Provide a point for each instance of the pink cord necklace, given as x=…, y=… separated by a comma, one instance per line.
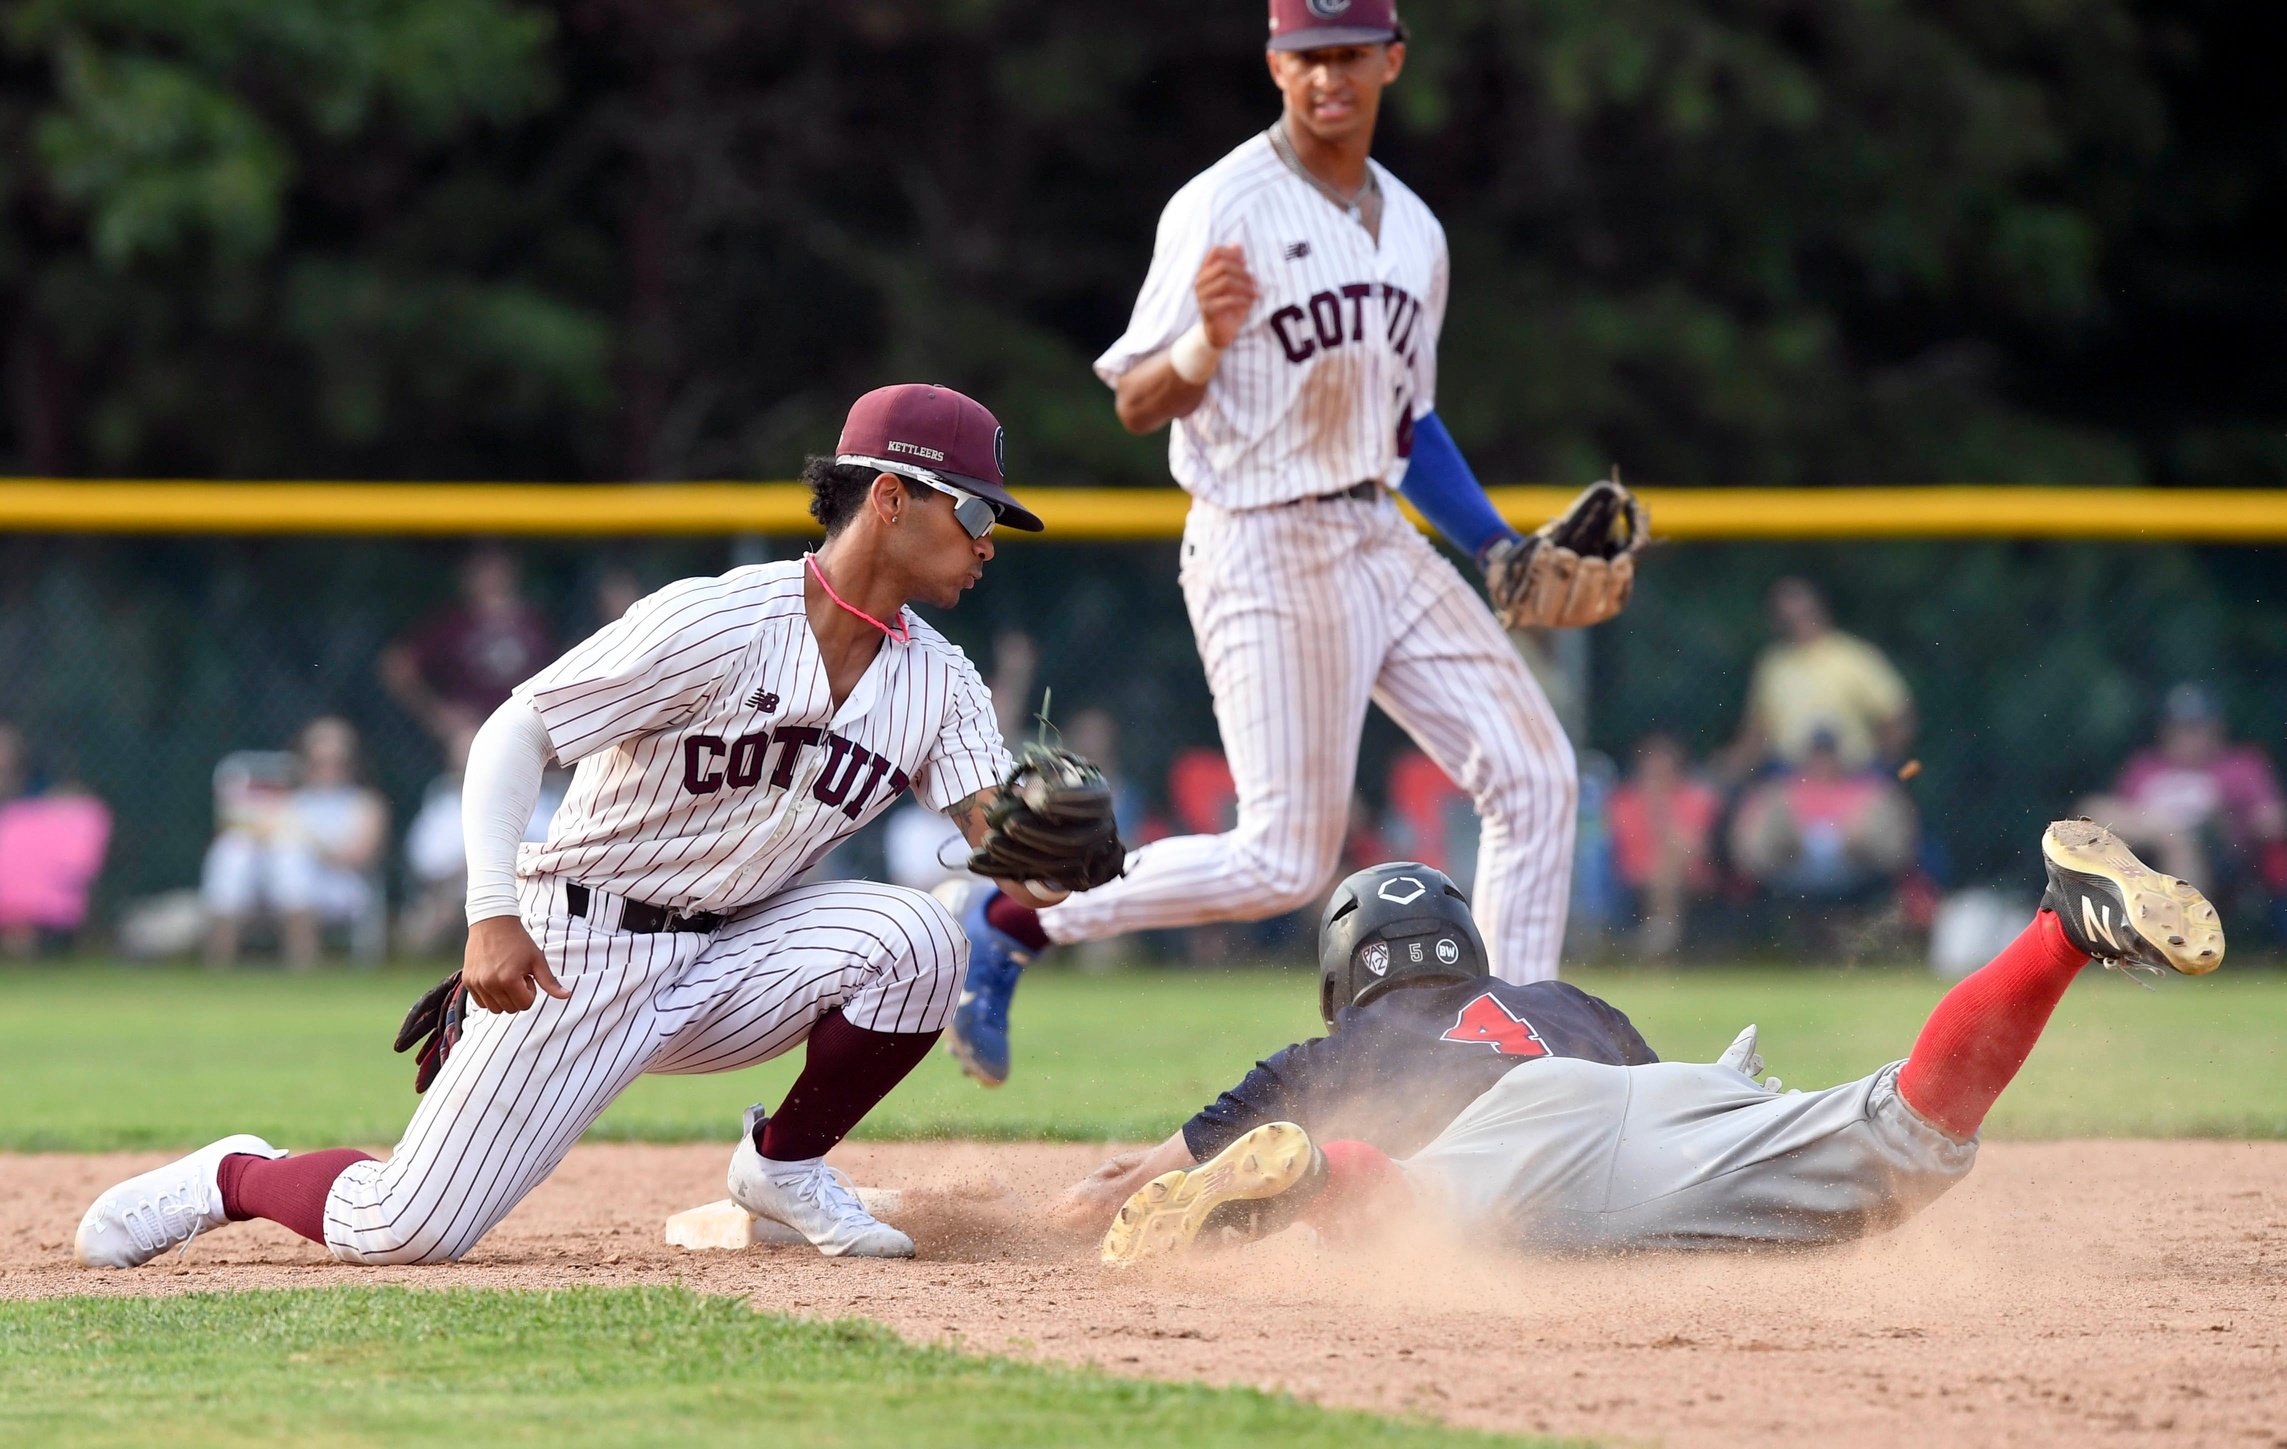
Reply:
x=900, y=632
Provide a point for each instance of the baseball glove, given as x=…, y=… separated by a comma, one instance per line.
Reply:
x=1574, y=570
x=434, y=1022
x=1052, y=822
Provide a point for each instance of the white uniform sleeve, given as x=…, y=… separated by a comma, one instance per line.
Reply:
x=968, y=755
x=649, y=670
x=1166, y=305
x=498, y=790
x=1432, y=327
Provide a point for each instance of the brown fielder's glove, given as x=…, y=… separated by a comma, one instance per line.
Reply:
x=1052, y=822
x=434, y=1022
x=1574, y=570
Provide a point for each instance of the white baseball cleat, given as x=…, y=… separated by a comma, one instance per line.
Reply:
x=816, y=1201
x=163, y=1208
x=1743, y=1055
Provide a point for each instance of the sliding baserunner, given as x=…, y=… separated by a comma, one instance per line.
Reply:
x=1444, y=1096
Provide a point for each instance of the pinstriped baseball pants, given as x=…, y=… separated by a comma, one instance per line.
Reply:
x=1303, y=614
x=521, y=1087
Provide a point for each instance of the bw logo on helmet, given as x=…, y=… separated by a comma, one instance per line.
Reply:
x=1399, y=924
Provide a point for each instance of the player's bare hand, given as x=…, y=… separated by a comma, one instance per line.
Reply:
x=1084, y=1207
x=504, y=970
x=1227, y=293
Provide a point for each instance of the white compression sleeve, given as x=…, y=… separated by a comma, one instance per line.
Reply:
x=498, y=791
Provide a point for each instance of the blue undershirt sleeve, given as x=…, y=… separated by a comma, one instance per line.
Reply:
x=1439, y=483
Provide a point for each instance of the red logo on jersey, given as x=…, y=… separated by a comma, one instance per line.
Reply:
x=1487, y=1020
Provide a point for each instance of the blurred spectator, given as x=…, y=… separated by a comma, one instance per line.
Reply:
x=2198, y=806
x=1095, y=733
x=1201, y=793
x=298, y=837
x=459, y=663
x=1016, y=659
x=435, y=918
x=1363, y=845
x=1431, y=820
x=51, y=850
x=616, y=593
x=15, y=764
x=1816, y=679
x=1824, y=831
x=1663, y=824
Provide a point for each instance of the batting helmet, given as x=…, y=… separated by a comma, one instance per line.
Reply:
x=1393, y=925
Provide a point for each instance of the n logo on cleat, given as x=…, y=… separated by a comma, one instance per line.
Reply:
x=2097, y=921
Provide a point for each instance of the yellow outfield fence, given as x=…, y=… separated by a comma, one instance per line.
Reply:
x=47, y=505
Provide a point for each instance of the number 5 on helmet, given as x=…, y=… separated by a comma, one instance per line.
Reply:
x=1576, y=569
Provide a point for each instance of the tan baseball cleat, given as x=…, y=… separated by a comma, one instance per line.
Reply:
x=2121, y=911
x=1165, y=1215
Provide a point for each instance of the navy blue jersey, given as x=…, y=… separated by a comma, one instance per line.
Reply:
x=1401, y=1067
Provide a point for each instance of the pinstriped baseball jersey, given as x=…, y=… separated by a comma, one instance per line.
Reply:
x=1339, y=354
x=713, y=766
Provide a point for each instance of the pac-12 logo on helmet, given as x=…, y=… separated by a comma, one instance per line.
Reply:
x=1327, y=9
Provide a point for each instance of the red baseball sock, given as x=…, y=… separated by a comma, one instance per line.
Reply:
x=1015, y=918
x=846, y=1071
x=1360, y=1182
x=1983, y=1030
x=289, y=1191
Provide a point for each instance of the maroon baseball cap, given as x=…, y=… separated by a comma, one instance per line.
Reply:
x=1315, y=24
x=919, y=430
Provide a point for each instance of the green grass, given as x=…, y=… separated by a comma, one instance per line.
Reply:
x=588, y=1365
x=102, y=1057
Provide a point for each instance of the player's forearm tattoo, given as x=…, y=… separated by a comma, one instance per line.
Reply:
x=969, y=814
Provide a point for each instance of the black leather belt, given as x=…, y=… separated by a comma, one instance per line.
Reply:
x=642, y=918
x=1364, y=491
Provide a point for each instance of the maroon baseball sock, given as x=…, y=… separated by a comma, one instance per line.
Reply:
x=289, y=1191
x=1015, y=918
x=1985, y=1027
x=846, y=1071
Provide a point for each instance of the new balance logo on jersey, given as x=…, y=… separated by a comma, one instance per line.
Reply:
x=1337, y=318
x=763, y=700
x=1296, y=251
x=848, y=779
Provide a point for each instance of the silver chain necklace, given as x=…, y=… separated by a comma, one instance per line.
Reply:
x=1368, y=195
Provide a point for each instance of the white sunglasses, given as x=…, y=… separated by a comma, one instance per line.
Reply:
x=975, y=515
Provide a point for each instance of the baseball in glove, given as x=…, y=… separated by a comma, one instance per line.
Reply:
x=1052, y=822
x=1574, y=570
x=435, y=1023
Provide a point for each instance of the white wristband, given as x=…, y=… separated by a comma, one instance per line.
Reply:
x=1193, y=357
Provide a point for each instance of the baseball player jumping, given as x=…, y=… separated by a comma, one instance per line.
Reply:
x=1288, y=330
x=727, y=732
x=1535, y=1117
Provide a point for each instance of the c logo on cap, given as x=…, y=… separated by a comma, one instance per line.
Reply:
x=1327, y=9
x=1001, y=435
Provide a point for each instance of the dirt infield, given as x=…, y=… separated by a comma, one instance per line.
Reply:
x=2110, y=1292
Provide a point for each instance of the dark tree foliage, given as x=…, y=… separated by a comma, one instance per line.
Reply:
x=1742, y=241
x=1719, y=241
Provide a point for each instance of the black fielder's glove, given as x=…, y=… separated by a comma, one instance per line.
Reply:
x=1052, y=822
x=434, y=1022
x=1574, y=570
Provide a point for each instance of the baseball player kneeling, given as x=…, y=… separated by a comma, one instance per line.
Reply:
x=727, y=733
x=1535, y=1117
